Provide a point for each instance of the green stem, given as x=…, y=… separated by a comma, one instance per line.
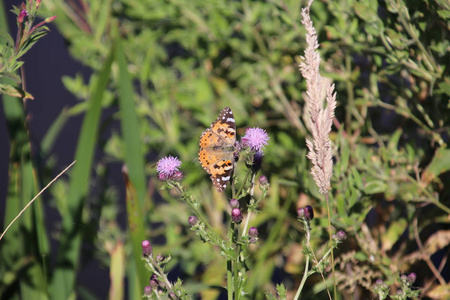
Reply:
x=350, y=96
x=305, y=274
x=408, y=27
x=302, y=283
x=252, y=200
x=331, y=245
x=230, y=278
x=236, y=264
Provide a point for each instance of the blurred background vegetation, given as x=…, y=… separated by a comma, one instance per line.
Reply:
x=161, y=72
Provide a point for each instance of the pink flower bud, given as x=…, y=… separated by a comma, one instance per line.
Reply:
x=234, y=203
x=49, y=19
x=236, y=215
x=146, y=248
x=23, y=14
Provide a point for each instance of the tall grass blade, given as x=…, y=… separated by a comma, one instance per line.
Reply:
x=134, y=160
x=72, y=233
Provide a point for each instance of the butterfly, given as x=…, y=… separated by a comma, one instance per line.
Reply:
x=217, y=147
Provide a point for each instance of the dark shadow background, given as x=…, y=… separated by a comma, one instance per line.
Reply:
x=45, y=64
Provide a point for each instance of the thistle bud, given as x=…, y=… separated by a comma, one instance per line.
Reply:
x=253, y=234
x=154, y=283
x=146, y=248
x=411, y=278
x=148, y=290
x=309, y=213
x=178, y=176
x=263, y=180
x=340, y=236
x=193, y=220
x=301, y=212
x=234, y=203
x=236, y=215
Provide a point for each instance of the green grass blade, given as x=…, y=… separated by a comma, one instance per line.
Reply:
x=26, y=243
x=67, y=260
x=134, y=159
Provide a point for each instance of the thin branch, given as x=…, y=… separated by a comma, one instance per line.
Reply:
x=35, y=197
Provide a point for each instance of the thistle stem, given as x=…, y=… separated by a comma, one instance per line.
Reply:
x=331, y=245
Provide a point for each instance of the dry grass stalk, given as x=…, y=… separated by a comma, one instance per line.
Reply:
x=321, y=118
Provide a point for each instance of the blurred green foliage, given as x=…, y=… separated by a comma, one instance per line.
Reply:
x=183, y=61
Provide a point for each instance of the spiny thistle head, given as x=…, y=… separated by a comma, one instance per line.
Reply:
x=167, y=168
x=255, y=139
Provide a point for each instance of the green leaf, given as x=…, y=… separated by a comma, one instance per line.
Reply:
x=14, y=91
x=71, y=237
x=375, y=187
x=394, y=232
x=438, y=165
x=134, y=160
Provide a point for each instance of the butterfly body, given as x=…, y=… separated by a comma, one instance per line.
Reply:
x=217, y=145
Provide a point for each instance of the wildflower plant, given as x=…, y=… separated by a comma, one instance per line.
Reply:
x=320, y=118
x=405, y=291
x=160, y=67
x=235, y=245
x=12, y=51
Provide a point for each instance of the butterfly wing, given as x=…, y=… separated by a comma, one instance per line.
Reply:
x=216, y=153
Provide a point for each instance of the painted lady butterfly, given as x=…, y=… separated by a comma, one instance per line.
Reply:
x=217, y=146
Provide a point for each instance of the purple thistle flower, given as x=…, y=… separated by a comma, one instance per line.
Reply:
x=154, y=281
x=301, y=212
x=236, y=215
x=255, y=138
x=178, y=176
x=234, y=203
x=411, y=278
x=146, y=248
x=309, y=212
x=148, y=290
x=168, y=166
x=162, y=177
x=340, y=236
x=253, y=234
x=193, y=220
x=263, y=180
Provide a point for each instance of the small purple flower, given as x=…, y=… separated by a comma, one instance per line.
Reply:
x=381, y=288
x=309, y=213
x=234, y=203
x=178, y=176
x=255, y=138
x=340, y=236
x=146, y=248
x=253, y=232
x=167, y=167
x=148, y=290
x=301, y=212
x=163, y=177
x=236, y=215
x=411, y=278
x=154, y=283
x=193, y=220
x=263, y=180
